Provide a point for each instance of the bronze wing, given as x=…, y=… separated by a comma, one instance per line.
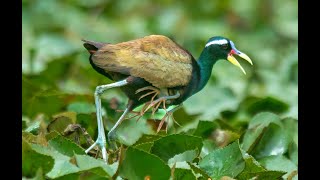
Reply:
x=155, y=58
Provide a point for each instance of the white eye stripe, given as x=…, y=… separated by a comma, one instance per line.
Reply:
x=219, y=42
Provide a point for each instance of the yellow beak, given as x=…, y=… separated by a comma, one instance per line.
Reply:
x=235, y=62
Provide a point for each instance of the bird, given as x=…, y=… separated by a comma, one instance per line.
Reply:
x=155, y=71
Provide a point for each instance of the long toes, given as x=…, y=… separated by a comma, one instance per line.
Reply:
x=149, y=93
x=143, y=89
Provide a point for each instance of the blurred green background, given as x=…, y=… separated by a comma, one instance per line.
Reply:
x=57, y=76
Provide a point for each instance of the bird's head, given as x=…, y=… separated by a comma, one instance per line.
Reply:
x=224, y=48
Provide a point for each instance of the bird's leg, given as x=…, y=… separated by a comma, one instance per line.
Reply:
x=167, y=116
x=112, y=132
x=101, y=139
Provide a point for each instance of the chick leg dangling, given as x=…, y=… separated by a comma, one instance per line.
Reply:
x=101, y=139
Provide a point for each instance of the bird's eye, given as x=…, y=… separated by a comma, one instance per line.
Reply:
x=224, y=46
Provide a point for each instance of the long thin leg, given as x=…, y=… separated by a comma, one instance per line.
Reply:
x=111, y=134
x=101, y=140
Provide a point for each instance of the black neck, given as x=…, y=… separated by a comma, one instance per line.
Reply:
x=205, y=63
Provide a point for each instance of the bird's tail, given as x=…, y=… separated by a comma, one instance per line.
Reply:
x=92, y=46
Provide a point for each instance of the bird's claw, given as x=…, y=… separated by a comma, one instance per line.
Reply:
x=154, y=91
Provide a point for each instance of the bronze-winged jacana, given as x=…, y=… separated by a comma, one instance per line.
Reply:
x=155, y=71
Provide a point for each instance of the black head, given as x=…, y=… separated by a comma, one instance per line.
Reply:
x=223, y=48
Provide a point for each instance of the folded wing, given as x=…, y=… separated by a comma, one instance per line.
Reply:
x=155, y=58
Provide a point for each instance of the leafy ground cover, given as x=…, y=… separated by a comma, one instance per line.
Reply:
x=237, y=127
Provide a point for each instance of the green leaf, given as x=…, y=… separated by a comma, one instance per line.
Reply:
x=257, y=126
x=208, y=146
x=254, y=170
x=65, y=146
x=146, y=142
x=34, y=127
x=183, y=174
x=61, y=167
x=35, y=139
x=183, y=118
x=279, y=163
x=88, y=121
x=35, y=104
x=61, y=121
x=187, y=156
x=144, y=146
x=171, y=145
x=201, y=175
x=204, y=128
x=268, y=104
x=131, y=131
x=262, y=175
x=293, y=153
x=266, y=136
x=33, y=160
x=82, y=107
x=223, y=98
x=29, y=137
x=291, y=126
x=222, y=138
x=227, y=161
x=148, y=138
x=145, y=165
x=274, y=141
x=49, y=47
x=52, y=135
x=96, y=166
x=65, y=167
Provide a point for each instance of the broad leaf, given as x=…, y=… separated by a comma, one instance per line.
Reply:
x=253, y=170
x=65, y=146
x=33, y=160
x=145, y=165
x=183, y=174
x=204, y=128
x=227, y=161
x=171, y=145
x=279, y=163
x=257, y=127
